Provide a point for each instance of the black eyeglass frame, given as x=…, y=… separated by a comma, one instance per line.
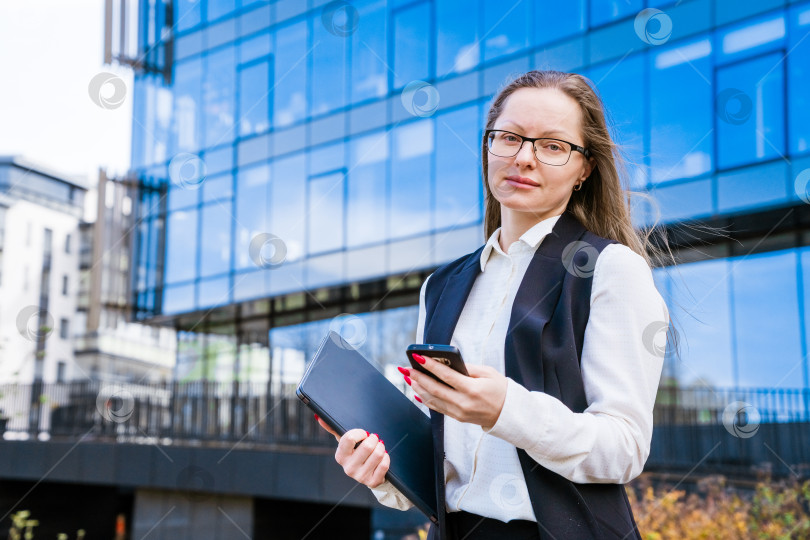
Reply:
x=581, y=149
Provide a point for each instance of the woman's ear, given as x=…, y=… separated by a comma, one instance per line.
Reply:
x=587, y=169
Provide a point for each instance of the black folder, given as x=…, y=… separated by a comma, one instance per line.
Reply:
x=347, y=392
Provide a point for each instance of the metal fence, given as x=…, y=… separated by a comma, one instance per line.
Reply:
x=171, y=413
x=727, y=430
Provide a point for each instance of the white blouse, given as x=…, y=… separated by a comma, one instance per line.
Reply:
x=607, y=443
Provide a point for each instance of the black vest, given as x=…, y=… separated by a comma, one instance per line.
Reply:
x=542, y=352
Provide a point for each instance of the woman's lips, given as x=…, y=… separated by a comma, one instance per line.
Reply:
x=521, y=182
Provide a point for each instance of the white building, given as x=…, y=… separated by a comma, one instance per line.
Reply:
x=40, y=212
x=64, y=292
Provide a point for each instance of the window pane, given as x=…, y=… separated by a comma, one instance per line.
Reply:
x=187, y=13
x=457, y=46
x=152, y=131
x=325, y=213
x=255, y=47
x=187, y=106
x=215, y=245
x=557, y=20
x=410, y=180
x=178, y=299
x=681, y=111
x=329, y=65
x=369, y=51
x=288, y=204
x=182, y=197
x=251, y=211
x=750, y=112
x=622, y=101
x=289, y=96
x=750, y=38
x=366, y=189
x=767, y=321
x=699, y=306
x=181, y=246
x=219, y=94
x=219, y=8
x=254, y=99
x=506, y=28
x=218, y=188
x=411, y=44
x=605, y=11
x=458, y=183
x=799, y=80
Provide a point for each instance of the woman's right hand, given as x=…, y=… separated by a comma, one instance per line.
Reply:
x=367, y=463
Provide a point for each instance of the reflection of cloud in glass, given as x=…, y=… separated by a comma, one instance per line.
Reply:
x=754, y=35
x=414, y=139
x=766, y=316
x=683, y=54
x=699, y=305
x=370, y=149
x=467, y=58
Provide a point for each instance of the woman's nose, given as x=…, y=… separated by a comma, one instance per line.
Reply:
x=525, y=155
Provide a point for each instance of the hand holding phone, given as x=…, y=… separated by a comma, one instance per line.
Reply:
x=446, y=354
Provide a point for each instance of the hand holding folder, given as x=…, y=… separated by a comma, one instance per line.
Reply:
x=347, y=392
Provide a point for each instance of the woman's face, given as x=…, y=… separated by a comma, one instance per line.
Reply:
x=522, y=183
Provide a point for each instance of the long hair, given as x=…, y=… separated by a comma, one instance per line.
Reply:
x=602, y=204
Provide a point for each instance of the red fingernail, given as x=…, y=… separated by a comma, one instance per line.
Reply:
x=403, y=371
x=408, y=380
x=417, y=398
x=316, y=417
x=419, y=358
x=366, y=433
x=382, y=442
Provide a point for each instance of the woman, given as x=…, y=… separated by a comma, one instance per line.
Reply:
x=560, y=324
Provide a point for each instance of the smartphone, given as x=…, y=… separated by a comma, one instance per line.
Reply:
x=446, y=354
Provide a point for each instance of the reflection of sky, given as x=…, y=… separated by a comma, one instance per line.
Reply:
x=739, y=321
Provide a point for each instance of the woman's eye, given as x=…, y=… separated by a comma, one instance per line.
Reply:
x=553, y=147
x=510, y=138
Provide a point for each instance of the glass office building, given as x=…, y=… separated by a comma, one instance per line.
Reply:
x=307, y=164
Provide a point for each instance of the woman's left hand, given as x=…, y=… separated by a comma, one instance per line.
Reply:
x=477, y=399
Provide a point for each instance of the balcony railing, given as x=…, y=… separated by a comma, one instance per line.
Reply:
x=172, y=413
x=736, y=431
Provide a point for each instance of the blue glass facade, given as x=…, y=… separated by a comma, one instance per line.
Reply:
x=302, y=121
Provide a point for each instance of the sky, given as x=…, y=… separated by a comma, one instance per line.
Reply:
x=50, y=50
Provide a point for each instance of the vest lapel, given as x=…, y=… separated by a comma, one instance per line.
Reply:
x=535, y=302
x=441, y=321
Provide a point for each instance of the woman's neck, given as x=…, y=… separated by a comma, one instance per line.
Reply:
x=514, y=224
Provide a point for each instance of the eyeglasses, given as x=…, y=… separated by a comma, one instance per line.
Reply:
x=549, y=151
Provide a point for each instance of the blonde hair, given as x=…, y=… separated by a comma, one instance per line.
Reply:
x=602, y=204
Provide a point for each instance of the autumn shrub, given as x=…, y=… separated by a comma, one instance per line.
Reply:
x=769, y=510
